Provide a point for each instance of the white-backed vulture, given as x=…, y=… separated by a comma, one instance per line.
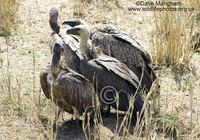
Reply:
x=104, y=71
x=123, y=47
x=71, y=92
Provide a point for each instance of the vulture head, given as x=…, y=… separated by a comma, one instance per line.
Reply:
x=82, y=31
x=80, y=28
x=58, y=48
x=53, y=13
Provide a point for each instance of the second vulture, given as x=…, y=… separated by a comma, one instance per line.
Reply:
x=123, y=47
x=70, y=91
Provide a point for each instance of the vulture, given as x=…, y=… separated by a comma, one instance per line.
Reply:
x=123, y=47
x=107, y=72
x=71, y=92
x=102, y=70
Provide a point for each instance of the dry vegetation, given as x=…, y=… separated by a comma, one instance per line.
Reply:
x=24, y=52
x=171, y=41
x=8, y=15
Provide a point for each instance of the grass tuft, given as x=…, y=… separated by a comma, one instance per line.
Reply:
x=171, y=43
x=8, y=15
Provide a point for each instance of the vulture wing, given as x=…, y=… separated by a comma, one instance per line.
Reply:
x=112, y=64
x=78, y=90
x=44, y=83
x=105, y=34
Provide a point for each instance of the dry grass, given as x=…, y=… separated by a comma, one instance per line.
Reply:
x=24, y=109
x=8, y=15
x=171, y=44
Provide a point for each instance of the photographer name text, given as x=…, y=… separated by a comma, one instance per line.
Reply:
x=158, y=3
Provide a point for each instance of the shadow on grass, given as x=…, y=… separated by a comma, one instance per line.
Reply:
x=67, y=130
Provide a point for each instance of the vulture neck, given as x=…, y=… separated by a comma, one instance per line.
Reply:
x=55, y=69
x=84, y=46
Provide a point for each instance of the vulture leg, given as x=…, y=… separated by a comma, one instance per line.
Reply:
x=57, y=111
x=46, y=89
x=77, y=125
x=76, y=115
x=105, y=109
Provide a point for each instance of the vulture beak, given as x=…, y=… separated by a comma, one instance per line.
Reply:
x=62, y=48
x=72, y=23
x=73, y=31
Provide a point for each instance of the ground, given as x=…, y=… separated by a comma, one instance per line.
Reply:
x=24, y=110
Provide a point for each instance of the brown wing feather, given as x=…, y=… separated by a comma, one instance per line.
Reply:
x=126, y=49
x=44, y=84
x=107, y=32
x=118, y=68
x=74, y=89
